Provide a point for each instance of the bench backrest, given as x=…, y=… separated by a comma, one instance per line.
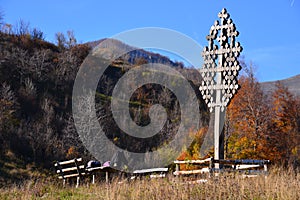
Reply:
x=70, y=168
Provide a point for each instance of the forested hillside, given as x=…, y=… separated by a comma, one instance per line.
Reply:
x=36, y=86
x=37, y=77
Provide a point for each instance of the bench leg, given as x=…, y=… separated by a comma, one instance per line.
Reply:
x=106, y=177
x=93, y=179
x=177, y=167
x=265, y=170
x=77, y=182
x=64, y=182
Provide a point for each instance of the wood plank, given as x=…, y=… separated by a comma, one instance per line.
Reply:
x=249, y=176
x=94, y=168
x=246, y=166
x=246, y=161
x=103, y=169
x=157, y=176
x=70, y=175
x=68, y=162
x=151, y=170
x=192, y=161
x=69, y=169
x=187, y=172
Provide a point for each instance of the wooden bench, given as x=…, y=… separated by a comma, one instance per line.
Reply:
x=105, y=169
x=248, y=167
x=70, y=169
x=206, y=166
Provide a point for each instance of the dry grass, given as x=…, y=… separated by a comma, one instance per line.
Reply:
x=280, y=184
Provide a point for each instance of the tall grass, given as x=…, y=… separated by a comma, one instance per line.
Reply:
x=279, y=184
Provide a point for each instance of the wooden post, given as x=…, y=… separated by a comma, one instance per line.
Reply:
x=106, y=176
x=218, y=116
x=211, y=166
x=77, y=181
x=216, y=136
x=93, y=179
x=177, y=167
x=265, y=169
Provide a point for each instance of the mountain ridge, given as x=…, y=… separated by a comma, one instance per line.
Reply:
x=134, y=54
x=292, y=83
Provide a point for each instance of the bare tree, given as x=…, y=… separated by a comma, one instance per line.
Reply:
x=71, y=39
x=1, y=18
x=60, y=40
x=71, y=140
x=41, y=133
x=8, y=103
x=39, y=64
x=37, y=34
x=8, y=106
x=67, y=67
x=22, y=28
x=29, y=88
x=6, y=28
x=64, y=42
x=165, y=96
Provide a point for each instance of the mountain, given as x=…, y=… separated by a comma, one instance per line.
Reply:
x=134, y=55
x=292, y=83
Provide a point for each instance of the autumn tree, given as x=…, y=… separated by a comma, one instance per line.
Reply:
x=193, y=151
x=284, y=139
x=247, y=120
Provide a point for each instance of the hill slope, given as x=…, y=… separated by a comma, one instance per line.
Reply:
x=292, y=83
x=36, y=123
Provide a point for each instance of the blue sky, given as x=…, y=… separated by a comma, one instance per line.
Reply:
x=269, y=30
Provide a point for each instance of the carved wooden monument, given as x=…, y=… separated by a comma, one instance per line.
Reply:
x=220, y=71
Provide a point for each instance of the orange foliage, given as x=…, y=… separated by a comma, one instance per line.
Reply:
x=72, y=153
x=193, y=152
x=263, y=127
x=248, y=118
x=285, y=125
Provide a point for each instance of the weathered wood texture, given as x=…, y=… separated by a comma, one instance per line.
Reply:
x=70, y=168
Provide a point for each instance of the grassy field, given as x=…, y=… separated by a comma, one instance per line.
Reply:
x=280, y=184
